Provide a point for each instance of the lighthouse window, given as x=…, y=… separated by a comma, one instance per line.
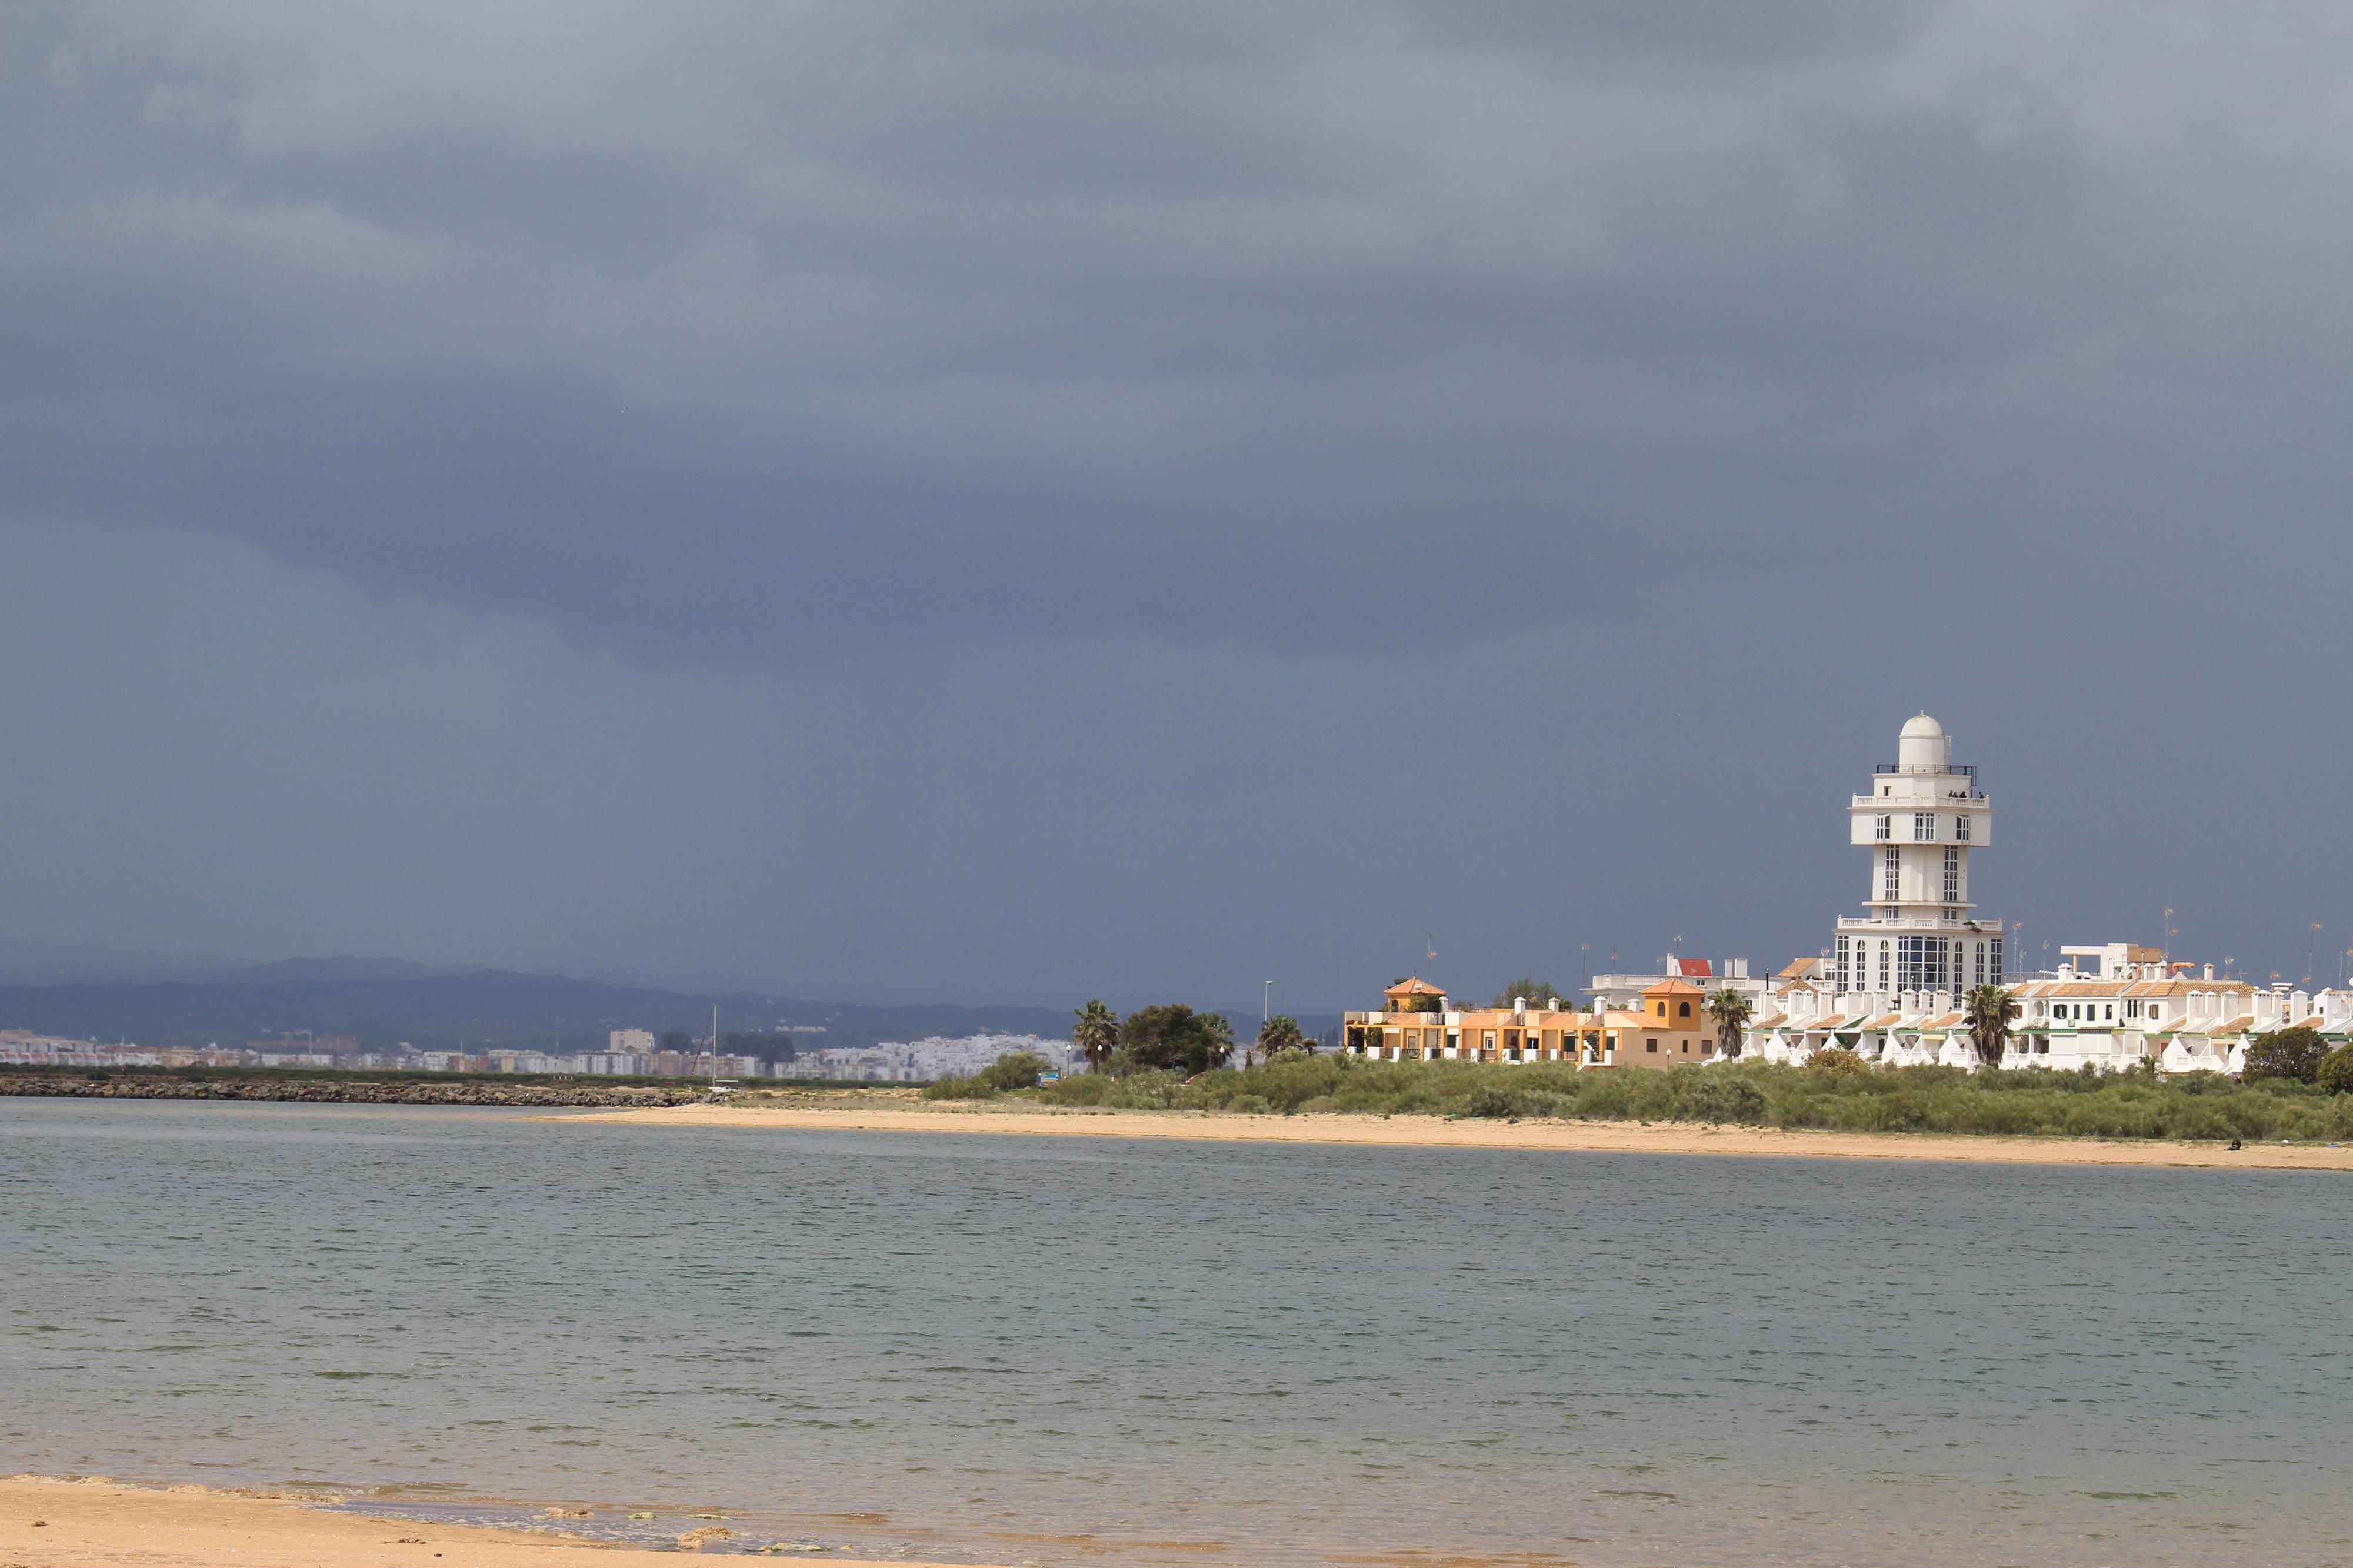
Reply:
x=1843, y=945
x=1891, y=865
x=1923, y=967
x=1952, y=875
x=1883, y=954
x=1978, y=972
x=1961, y=828
x=1883, y=827
x=1924, y=826
x=1994, y=977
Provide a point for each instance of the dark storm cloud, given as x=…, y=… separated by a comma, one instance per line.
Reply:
x=867, y=322
x=1147, y=467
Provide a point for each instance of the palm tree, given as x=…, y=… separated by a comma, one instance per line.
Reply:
x=1731, y=1012
x=1989, y=1009
x=1280, y=1033
x=1219, y=1035
x=1096, y=1034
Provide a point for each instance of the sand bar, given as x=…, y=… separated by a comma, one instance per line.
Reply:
x=849, y=1113
x=103, y=1522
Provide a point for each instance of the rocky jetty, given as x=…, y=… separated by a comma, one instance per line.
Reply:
x=337, y=1091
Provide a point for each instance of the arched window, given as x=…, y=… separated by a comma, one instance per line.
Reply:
x=1683, y=1009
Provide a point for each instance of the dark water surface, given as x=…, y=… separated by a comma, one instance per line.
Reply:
x=1068, y=1350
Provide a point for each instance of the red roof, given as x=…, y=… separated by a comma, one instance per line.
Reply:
x=1695, y=968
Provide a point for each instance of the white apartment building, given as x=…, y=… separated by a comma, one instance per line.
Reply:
x=629, y=1043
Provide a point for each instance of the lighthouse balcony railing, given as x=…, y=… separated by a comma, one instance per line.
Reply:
x=1914, y=802
x=1965, y=770
x=1916, y=922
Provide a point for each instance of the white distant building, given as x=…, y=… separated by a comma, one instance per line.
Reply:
x=921, y=1061
x=1625, y=988
x=1921, y=820
x=630, y=1043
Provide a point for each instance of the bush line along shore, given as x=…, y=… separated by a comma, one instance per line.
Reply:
x=1837, y=1094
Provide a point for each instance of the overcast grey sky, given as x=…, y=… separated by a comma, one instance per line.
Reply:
x=1022, y=502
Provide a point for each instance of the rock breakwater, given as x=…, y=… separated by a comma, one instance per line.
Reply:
x=331, y=1092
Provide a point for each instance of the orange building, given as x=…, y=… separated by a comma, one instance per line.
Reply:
x=1415, y=1024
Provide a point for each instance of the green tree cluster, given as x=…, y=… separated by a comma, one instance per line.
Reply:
x=2294, y=1054
x=1174, y=1038
x=1280, y=1034
x=1096, y=1034
x=1989, y=1009
x=1731, y=1012
x=1014, y=1070
x=1538, y=992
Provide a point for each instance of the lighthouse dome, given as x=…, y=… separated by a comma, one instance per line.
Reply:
x=1924, y=745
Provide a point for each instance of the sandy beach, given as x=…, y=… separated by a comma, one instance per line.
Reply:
x=853, y=1113
x=57, y=1525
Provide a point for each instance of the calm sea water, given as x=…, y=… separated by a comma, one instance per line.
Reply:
x=1071, y=1350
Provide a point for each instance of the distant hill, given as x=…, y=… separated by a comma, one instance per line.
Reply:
x=385, y=1001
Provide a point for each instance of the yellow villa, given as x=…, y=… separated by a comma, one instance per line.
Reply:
x=1670, y=1029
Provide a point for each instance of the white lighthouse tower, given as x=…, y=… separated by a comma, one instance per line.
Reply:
x=1922, y=817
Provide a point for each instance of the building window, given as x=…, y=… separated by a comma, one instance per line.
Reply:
x=1843, y=944
x=1924, y=826
x=1883, y=827
x=1994, y=967
x=1891, y=870
x=1960, y=830
x=1921, y=965
x=1683, y=1009
x=1651, y=1045
x=1977, y=975
x=1487, y=1039
x=1884, y=950
x=1952, y=875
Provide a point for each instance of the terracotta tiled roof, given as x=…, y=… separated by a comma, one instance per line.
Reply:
x=1673, y=988
x=1416, y=986
x=1800, y=968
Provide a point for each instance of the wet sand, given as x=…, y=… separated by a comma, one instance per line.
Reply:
x=849, y=1113
x=103, y=1522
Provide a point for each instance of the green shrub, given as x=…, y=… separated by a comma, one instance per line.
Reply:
x=2293, y=1054
x=2018, y=1101
x=1014, y=1070
x=2335, y=1074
